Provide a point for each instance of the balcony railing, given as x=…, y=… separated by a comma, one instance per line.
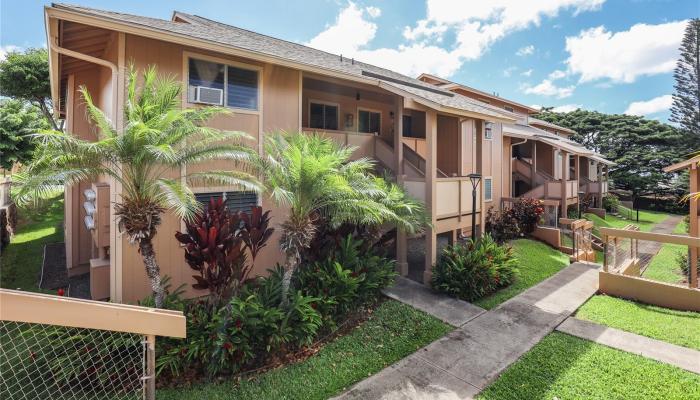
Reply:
x=454, y=197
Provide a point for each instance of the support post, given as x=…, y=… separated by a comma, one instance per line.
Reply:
x=150, y=386
x=564, y=181
x=533, y=166
x=694, y=226
x=401, y=239
x=430, y=193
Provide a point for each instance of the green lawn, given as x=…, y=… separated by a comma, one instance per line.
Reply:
x=394, y=331
x=20, y=264
x=536, y=262
x=564, y=367
x=678, y=327
x=647, y=219
x=664, y=266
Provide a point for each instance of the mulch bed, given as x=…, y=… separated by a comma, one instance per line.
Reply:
x=53, y=271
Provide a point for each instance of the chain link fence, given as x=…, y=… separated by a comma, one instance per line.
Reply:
x=54, y=362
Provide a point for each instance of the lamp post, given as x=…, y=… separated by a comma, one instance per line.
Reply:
x=475, y=179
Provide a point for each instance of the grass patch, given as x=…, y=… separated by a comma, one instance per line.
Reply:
x=565, y=367
x=664, y=266
x=536, y=262
x=678, y=327
x=20, y=264
x=394, y=331
x=647, y=220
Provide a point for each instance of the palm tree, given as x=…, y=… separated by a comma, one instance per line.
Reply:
x=314, y=177
x=159, y=137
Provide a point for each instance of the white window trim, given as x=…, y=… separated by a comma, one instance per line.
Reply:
x=186, y=80
x=325, y=103
x=357, y=118
x=483, y=187
x=492, y=128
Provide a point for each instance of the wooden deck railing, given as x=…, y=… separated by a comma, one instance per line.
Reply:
x=58, y=347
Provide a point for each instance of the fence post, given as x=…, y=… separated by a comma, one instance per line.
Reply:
x=150, y=367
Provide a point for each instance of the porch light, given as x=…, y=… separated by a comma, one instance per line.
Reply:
x=475, y=179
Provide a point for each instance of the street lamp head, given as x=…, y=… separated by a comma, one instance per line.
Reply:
x=475, y=179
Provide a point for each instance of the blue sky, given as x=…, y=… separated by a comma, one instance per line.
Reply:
x=613, y=56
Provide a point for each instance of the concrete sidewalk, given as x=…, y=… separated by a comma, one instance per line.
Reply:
x=464, y=362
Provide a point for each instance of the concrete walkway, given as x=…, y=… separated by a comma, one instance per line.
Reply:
x=647, y=250
x=682, y=357
x=448, y=309
x=465, y=361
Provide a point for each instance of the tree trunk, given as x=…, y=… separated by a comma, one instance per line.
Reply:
x=152, y=270
x=289, y=268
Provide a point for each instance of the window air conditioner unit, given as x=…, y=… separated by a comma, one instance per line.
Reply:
x=207, y=95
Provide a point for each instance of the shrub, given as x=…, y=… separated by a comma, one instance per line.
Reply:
x=475, y=269
x=217, y=244
x=502, y=226
x=611, y=202
x=350, y=277
x=684, y=264
x=528, y=213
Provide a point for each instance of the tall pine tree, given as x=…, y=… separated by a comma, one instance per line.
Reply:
x=686, y=99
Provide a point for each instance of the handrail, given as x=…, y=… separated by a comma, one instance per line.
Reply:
x=37, y=308
x=651, y=236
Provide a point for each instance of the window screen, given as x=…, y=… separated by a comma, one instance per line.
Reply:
x=488, y=130
x=323, y=116
x=235, y=201
x=242, y=87
x=207, y=74
x=407, y=126
x=488, y=195
x=369, y=121
x=509, y=108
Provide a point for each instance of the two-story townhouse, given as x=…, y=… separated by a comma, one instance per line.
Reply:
x=269, y=85
x=539, y=160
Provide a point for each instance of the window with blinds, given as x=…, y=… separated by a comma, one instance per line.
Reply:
x=369, y=121
x=240, y=86
x=323, y=116
x=235, y=201
x=488, y=189
x=488, y=131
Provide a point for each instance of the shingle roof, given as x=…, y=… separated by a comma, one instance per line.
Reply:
x=537, y=121
x=231, y=36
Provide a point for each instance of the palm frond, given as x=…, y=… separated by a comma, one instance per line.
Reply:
x=178, y=198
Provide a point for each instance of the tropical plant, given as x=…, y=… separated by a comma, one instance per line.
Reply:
x=528, y=213
x=159, y=136
x=315, y=178
x=218, y=244
x=475, y=269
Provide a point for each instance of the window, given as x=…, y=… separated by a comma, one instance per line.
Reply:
x=368, y=121
x=235, y=201
x=488, y=189
x=488, y=130
x=323, y=116
x=509, y=108
x=407, y=125
x=216, y=83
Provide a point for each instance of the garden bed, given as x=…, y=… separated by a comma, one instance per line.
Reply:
x=565, y=367
x=677, y=327
x=393, y=331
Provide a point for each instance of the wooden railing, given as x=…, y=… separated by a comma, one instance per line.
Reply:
x=364, y=142
x=82, y=339
x=577, y=239
x=416, y=144
x=454, y=197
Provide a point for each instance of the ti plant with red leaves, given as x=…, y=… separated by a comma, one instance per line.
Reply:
x=222, y=246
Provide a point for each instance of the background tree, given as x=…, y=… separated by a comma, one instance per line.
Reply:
x=316, y=179
x=639, y=146
x=18, y=120
x=685, y=110
x=159, y=137
x=25, y=76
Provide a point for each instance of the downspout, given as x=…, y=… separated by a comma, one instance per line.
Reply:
x=113, y=67
x=510, y=166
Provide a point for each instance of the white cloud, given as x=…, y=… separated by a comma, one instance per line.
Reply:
x=353, y=30
x=7, y=49
x=525, y=51
x=509, y=71
x=374, y=12
x=557, y=74
x=567, y=108
x=474, y=25
x=547, y=88
x=653, y=106
x=527, y=72
x=624, y=56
